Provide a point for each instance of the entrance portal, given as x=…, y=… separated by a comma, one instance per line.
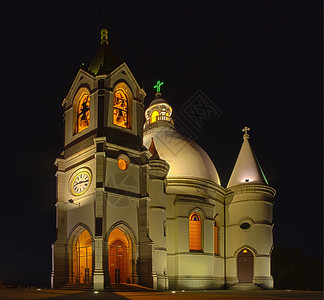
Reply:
x=120, y=257
x=82, y=258
x=245, y=266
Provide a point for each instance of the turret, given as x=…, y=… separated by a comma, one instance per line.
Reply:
x=158, y=171
x=249, y=222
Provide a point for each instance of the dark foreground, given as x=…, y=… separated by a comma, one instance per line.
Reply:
x=192, y=295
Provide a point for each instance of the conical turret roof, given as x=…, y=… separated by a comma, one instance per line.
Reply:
x=104, y=61
x=247, y=168
x=152, y=149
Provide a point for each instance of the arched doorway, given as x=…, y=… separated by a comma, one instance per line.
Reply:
x=82, y=258
x=245, y=266
x=119, y=257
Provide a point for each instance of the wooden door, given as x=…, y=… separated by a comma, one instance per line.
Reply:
x=118, y=262
x=245, y=266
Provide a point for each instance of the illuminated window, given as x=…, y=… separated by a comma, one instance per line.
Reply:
x=216, y=245
x=194, y=232
x=154, y=117
x=82, y=113
x=122, y=105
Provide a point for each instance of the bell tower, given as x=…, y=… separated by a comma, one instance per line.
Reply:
x=101, y=177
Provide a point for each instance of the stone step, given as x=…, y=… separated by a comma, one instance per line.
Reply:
x=77, y=286
x=129, y=288
x=243, y=286
x=112, y=288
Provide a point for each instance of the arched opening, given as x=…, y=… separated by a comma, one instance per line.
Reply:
x=245, y=266
x=82, y=258
x=81, y=108
x=194, y=232
x=121, y=107
x=119, y=257
x=154, y=116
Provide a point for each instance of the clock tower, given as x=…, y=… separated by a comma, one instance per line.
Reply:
x=102, y=177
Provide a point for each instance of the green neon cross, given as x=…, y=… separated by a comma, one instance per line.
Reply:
x=158, y=86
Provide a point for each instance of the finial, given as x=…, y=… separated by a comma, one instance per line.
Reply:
x=158, y=88
x=104, y=36
x=246, y=135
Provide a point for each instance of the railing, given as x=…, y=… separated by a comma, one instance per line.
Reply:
x=159, y=118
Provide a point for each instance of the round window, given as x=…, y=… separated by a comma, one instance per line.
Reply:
x=245, y=225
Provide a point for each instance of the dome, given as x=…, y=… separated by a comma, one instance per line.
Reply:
x=157, y=101
x=185, y=157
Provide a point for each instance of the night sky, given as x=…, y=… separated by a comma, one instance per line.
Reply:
x=259, y=62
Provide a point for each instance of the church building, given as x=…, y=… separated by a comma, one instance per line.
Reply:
x=138, y=202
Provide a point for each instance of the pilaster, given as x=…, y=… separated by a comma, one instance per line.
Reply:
x=100, y=270
x=157, y=220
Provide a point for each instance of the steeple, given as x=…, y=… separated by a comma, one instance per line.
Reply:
x=247, y=168
x=104, y=61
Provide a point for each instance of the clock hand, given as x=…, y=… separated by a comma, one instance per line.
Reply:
x=80, y=182
x=83, y=181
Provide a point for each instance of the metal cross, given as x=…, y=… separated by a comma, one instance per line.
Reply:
x=245, y=130
x=158, y=86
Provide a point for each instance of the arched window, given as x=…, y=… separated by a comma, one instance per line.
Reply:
x=194, y=232
x=155, y=115
x=122, y=100
x=82, y=111
x=216, y=236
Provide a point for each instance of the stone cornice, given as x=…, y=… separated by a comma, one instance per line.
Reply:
x=197, y=183
x=245, y=188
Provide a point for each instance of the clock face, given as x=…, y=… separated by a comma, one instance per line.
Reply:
x=81, y=183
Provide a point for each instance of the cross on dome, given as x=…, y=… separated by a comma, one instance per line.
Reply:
x=158, y=86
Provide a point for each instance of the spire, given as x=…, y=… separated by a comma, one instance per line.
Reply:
x=247, y=168
x=152, y=149
x=104, y=61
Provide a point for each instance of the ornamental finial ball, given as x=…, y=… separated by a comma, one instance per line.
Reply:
x=104, y=35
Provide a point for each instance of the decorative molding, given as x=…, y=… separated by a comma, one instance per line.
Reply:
x=245, y=188
x=198, y=183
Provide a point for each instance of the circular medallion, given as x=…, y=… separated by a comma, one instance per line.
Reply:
x=123, y=162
